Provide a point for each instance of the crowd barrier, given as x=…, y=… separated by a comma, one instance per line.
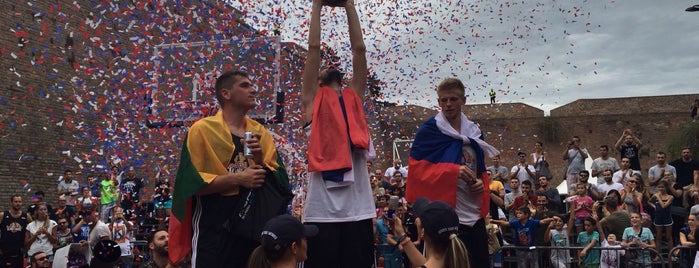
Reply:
x=557, y=257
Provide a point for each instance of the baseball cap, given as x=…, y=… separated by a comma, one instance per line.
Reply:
x=279, y=232
x=438, y=218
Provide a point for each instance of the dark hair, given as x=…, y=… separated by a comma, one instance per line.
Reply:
x=539, y=143
x=151, y=235
x=227, y=79
x=527, y=182
x=263, y=257
x=12, y=198
x=661, y=152
x=604, y=146
x=525, y=210
x=67, y=170
x=332, y=75
x=584, y=171
x=590, y=220
x=33, y=258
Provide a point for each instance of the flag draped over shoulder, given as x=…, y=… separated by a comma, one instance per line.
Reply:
x=435, y=159
x=206, y=152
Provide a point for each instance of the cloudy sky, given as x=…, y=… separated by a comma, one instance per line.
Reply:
x=543, y=53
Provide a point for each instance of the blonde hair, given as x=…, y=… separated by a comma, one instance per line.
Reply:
x=452, y=84
x=456, y=255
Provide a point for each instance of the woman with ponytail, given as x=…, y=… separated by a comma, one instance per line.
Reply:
x=283, y=243
x=438, y=226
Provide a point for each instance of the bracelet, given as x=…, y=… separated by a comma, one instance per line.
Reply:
x=400, y=239
x=404, y=241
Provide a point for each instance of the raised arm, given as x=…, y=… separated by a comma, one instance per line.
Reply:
x=359, y=65
x=311, y=67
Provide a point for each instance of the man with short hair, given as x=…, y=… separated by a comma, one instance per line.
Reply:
x=575, y=155
x=339, y=199
x=527, y=198
x=157, y=243
x=629, y=146
x=510, y=198
x=69, y=188
x=657, y=172
x=130, y=190
x=13, y=226
x=216, y=178
x=687, y=168
x=397, y=167
x=625, y=173
x=554, y=198
x=447, y=163
x=616, y=221
x=602, y=163
x=522, y=170
x=39, y=260
x=609, y=184
x=499, y=172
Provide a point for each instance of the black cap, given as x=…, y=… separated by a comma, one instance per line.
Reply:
x=282, y=230
x=106, y=251
x=438, y=218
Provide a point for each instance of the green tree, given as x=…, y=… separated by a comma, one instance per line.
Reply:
x=685, y=136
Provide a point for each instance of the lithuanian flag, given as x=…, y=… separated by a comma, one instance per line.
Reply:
x=206, y=152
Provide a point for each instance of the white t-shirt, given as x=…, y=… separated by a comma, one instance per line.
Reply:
x=467, y=204
x=389, y=172
x=604, y=188
x=72, y=186
x=617, y=177
x=522, y=175
x=654, y=172
x=610, y=258
x=350, y=203
x=600, y=165
x=121, y=234
x=96, y=233
x=42, y=241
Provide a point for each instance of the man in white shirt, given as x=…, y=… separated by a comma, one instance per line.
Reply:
x=609, y=184
x=622, y=175
x=522, y=170
x=397, y=167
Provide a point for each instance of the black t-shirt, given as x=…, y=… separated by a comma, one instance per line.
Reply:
x=212, y=213
x=631, y=152
x=685, y=171
x=12, y=231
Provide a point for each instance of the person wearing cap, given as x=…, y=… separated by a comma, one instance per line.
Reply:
x=283, y=243
x=447, y=163
x=438, y=226
x=523, y=171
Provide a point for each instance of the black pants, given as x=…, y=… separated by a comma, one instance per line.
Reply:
x=342, y=244
x=476, y=241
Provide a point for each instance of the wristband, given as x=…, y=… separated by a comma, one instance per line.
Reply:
x=404, y=241
x=400, y=239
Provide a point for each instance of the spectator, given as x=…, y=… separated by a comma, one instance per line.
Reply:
x=121, y=230
x=283, y=243
x=657, y=172
x=510, y=198
x=638, y=237
x=602, y=163
x=68, y=188
x=588, y=239
x=64, y=236
x=499, y=173
x=108, y=196
x=687, y=239
x=523, y=170
x=41, y=233
x=575, y=155
x=693, y=110
x=687, y=173
x=63, y=210
x=539, y=160
x=615, y=219
x=158, y=245
x=13, y=229
x=583, y=178
x=131, y=188
x=397, y=167
x=552, y=195
x=662, y=221
x=581, y=207
x=39, y=260
x=527, y=198
x=622, y=175
x=608, y=184
x=439, y=224
x=525, y=229
x=37, y=198
x=611, y=258
x=632, y=195
x=558, y=233
x=629, y=146
x=86, y=202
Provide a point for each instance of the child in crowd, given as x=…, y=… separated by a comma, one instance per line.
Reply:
x=661, y=202
x=611, y=258
x=525, y=229
x=557, y=234
x=588, y=239
x=582, y=206
x=638, y=238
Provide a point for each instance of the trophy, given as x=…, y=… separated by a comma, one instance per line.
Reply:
x=334, y=3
